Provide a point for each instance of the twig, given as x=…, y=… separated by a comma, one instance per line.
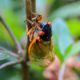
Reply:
x=10, y=64
x=25, y=70
x=33, y=5
x=12, y=35
x=28, y=16
x=10, y=52
x=28, y=9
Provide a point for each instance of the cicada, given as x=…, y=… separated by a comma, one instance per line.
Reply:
x=40, y=49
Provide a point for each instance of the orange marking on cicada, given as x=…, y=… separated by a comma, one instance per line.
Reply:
x=40, y=33
x=31, y=45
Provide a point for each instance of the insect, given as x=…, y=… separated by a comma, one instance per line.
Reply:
x=40, y=49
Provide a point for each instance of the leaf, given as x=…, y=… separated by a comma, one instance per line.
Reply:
x=68, y=49
x=74, y=26
x=75, y=50
x=11, y=73
x=3, y=56
x=67, y=11
x=61, y=37
x=7, y=55
x=58, y=53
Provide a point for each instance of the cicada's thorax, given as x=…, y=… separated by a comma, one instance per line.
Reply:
x=42, y=53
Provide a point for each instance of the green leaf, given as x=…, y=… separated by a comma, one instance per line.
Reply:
x=7, y=55
x=74, y=26
x=3, y=56
x=11, y=73
x=61, y=37
x=75, y=50
x=59, y=54
x=67, y=11
x=68, y=49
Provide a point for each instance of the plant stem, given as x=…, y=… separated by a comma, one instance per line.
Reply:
x=18, y=46
x=30, y=5
x=33, y=6
x=25, y=70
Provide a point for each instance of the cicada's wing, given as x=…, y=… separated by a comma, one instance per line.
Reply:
x=61, y=35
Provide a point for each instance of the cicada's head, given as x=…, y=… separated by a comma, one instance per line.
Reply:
x=46, y=28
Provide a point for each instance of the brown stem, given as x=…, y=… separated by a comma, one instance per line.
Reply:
x=28, y=10
x=28, y=16
x=30, y=5
x=33, y=5
x=25, y=70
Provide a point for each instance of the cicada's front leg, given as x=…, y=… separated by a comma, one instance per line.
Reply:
x=31, y=45
x=37, y=17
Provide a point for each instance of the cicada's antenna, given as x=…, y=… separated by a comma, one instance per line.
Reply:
x=28, y=21
x=31, y=22
x=37, y=17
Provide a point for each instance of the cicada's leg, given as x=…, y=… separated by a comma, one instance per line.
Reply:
x=31, y=36
x=29, y=32
x=31, y=45
x=34, y=16
x=39, y=18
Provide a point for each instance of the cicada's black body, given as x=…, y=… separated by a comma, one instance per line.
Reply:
x=46, y=28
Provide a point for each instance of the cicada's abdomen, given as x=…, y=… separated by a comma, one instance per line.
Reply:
x=42, y=53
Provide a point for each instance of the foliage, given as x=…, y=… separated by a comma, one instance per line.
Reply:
x=65, y=46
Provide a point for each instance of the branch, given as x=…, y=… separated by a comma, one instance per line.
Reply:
x=28, y=16
x=28, y=9
x=10, y=52
x=12, y=35
x=10, y=64
x=33, y=5
x=25, y=70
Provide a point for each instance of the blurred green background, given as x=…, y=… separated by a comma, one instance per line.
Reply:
x=13, y=11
